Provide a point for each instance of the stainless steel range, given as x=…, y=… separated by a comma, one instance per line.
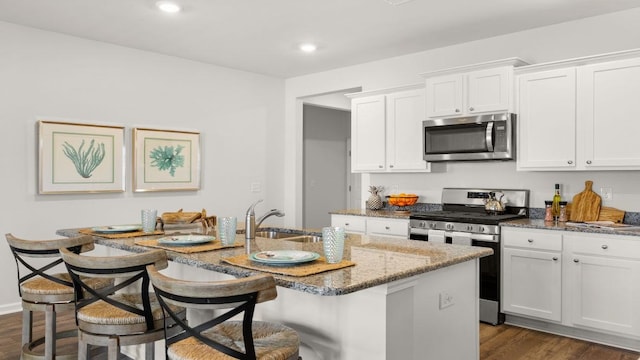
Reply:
x=463, y=220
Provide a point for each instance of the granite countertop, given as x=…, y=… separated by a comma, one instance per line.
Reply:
x=375, y=213
x=379, y=260
x=550, y=225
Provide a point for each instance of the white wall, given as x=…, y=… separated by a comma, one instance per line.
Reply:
x=43, y=74
x=602, y=34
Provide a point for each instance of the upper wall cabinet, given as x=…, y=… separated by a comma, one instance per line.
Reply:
x=470, y=90
x=577, y=114
x=386, y=133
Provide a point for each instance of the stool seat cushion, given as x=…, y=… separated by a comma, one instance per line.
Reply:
x=97, y=317
x=272, y=341
x=40, y=289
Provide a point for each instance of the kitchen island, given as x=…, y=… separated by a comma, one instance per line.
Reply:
x=403, y=299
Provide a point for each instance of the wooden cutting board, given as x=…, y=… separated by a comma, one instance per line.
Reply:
x=606, y=214
x=586, y=204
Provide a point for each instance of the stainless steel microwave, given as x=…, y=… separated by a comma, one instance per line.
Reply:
x=482, y=137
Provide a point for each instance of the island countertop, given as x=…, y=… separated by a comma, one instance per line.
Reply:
x=378, y=260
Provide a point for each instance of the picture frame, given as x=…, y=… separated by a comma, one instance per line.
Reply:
x=165, y=160
x=80, y=158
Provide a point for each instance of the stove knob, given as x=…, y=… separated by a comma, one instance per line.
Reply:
x=481, y=228
x=432, y=225
x=469, y=228
x=423, y=224
x=449, y=226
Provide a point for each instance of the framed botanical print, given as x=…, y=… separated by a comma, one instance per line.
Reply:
x=80, y=158
x=165, y=160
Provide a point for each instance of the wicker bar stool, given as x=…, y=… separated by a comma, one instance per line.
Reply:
x=219, y=338
x=41, y=289
x=115, y=316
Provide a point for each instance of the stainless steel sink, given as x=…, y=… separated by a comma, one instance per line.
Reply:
x=274, y=234
x=289, y=236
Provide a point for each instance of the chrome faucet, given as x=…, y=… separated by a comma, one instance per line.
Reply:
x=250, y=224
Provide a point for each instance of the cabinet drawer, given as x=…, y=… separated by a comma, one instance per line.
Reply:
x=532, y=239
x=354, y=224
x=627, y=247
x=388, y=227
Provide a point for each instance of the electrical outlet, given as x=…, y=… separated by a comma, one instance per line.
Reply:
x=606, y=193
x=446, y=300
x=256, y=187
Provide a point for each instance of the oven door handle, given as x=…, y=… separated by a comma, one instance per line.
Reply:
x=489, y=136
x=478, y=237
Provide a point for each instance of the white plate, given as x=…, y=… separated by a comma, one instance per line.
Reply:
x=283, y=257
x=182, y=240
x=116, y=228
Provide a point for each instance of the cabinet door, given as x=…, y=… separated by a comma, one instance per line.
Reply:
x=547, y=120
x=405, y=113
x=532, y=283
x=489, y=90
x=607, y=105
x=444, y=95
x=368, y=134
x=605, y=293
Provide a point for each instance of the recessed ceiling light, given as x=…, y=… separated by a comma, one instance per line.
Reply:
x=308, y=48
x=168, y=6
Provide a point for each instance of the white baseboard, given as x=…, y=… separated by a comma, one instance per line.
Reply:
x=10, y=308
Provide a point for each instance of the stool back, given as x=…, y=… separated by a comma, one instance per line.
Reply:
x=129, y=269
x=238, y=295
x=26, y=251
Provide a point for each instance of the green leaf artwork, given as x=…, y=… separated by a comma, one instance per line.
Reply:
x=85, y=161
x=167, y=158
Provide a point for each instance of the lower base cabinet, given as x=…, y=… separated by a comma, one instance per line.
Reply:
x=589, y=284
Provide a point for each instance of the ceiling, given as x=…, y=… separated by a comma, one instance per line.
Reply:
x=262, y=35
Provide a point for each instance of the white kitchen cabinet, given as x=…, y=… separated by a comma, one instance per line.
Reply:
x=470, y=93
x=386, y=130
x=380, y=226
x=607, y=100
x=472, y=89
x=351, y=223
x=547, y=120
x=574, y=115
x=532, y=273
x=603, y=273
x=388, y=227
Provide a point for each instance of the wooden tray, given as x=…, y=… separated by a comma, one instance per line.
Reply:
x=606, y=214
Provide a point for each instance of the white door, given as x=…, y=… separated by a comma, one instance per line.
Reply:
x=605, y=293
x=547, y=120
x=489, y=90
x=608, y=107
x=368, y=133
x=405, y=113
x=532, y=283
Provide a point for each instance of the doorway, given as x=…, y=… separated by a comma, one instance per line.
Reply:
x=327, y=182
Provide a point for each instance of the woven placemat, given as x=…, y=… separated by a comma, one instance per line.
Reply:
x=119, y=235
x=310, y=268
x=214, y=245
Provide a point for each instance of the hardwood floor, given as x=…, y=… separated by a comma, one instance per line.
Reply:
x=501, y=342
x=505, y=342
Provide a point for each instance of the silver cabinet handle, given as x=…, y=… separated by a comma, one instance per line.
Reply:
x=386, y=228
x=380, y=166
x=555, y=258
x=346, y=224
x=570, y=162
x=457, y=110
x=576, y=261
x=390, y=166
x=471, y=109
x=605, y=247
x=530, y=240
x=588, y=161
